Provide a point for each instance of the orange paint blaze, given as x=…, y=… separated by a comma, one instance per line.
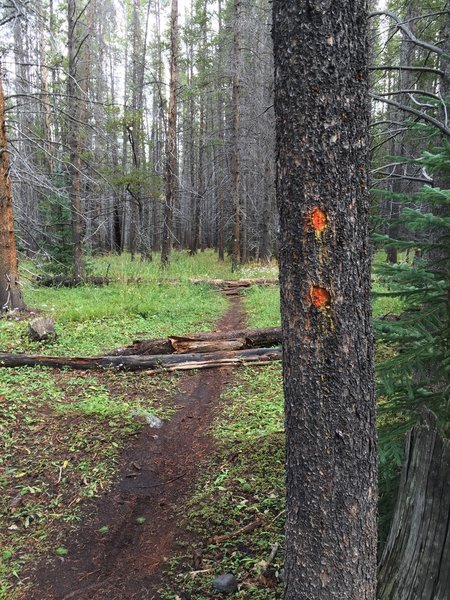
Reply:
x=320, y=297
x=319, y=219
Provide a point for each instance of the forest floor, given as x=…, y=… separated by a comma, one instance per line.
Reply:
x=96, y=504
x=139, y=514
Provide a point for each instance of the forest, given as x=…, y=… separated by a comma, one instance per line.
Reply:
x=224, y=299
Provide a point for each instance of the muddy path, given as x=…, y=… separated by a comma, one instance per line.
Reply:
x=157, y=472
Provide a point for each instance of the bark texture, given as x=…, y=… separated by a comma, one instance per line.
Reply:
x=10, y=294
x=416, y=558
x=322, y=115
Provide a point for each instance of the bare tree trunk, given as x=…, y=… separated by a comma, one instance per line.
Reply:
x=399, y=143
x=322, y=115
x=236, y=160
x=10, y=294
x=74, y=140
x=171, y=158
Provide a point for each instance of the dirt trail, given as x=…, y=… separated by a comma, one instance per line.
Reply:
x=157, y=472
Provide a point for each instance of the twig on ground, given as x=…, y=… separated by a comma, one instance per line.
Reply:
x=265, y=564
x=163, y=483
x=228, y=536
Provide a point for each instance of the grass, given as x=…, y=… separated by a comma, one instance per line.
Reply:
x=92, y=320
x=182, y=266
x=243, y=482
x=262, y=304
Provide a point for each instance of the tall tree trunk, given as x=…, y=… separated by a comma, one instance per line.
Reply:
x=322, y=113
x=399, y=143
x=171, y=158
x=236, y=158
x=220, y=151
x=10, y=294
x=74, y=140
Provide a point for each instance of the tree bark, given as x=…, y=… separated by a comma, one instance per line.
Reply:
x=322, y=113
x=10, y=294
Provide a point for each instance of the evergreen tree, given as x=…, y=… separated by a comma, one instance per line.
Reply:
x=419, y=370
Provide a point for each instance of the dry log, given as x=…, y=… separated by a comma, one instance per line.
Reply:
x=416, y=558
x=205, y=342
x=158, y=362
x=236, y=283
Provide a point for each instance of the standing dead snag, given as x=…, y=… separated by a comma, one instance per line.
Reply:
x=321, y=110
x=416, y=558
x=10, y=294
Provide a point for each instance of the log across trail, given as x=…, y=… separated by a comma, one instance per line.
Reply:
x=205, y=342
x=153, y=363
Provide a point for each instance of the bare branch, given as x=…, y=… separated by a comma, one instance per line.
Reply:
x=422, y=116
x=401, y=25
x=407, y=68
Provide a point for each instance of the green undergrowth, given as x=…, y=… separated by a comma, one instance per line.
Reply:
x=60, y=438
x=243, y=484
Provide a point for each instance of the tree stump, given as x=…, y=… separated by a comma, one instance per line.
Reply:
x=416, y=560
x=42, y=328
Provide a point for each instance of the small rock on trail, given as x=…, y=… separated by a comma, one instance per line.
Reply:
x=227, y=584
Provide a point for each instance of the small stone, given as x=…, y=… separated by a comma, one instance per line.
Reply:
x=42, y=328
x=148, y=418
x=227, y=584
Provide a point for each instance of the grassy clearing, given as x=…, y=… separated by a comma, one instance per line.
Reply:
x=93, y=320
x=244, y=481
x=183, y=266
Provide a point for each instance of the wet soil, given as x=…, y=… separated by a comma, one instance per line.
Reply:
x=157, y=472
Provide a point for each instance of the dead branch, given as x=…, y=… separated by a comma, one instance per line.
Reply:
x=218, y=539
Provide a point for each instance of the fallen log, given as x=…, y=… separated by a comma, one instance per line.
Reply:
x=236, y=283
x=205, y=342
x=156, y=363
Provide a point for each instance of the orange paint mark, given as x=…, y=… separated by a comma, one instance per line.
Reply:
x=319, y=220
x=320, y=297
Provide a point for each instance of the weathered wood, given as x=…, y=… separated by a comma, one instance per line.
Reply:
x=416, y=558
x=205, y=342
x=236, y=283
x=157, y=362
